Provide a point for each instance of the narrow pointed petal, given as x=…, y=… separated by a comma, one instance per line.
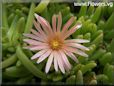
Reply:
x=81, y=53
x=59, y=22
x=68, y=24
x=79, y=46
x=37, y=26
x=65, y=59
x=36, y=15
x=72, y=56
x=44, y=56
x=55, y=62
x=33, y=42
x=60, y=63
x=76, y=51
x=72, y=30
x=45, y=24
x=33, y=48
x=35, y=32
x=77, y=41
x=38, y=54
x=54, y=23
x=32, y=36
x=49, y=63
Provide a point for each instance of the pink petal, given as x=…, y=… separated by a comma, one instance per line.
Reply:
x=44, y=56
x=37, y=26
x=72, y=56
x=76, y=51
x=45, y=24
x=37, y=47
x=72, y=30
x=54, y=23
x=35, y=32
x=59, y=22
x=67, y=25
x=77, y=46
x=34, y=37
x=55, y=62
x=38, y=54
x=60, y=62
x=77, y=41
x=33, y=42
x=49, y=62
x=81, y=53
x=65, y=59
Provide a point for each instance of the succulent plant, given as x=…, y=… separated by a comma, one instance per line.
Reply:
x=97, y=27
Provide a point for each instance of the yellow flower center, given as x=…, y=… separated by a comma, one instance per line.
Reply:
x=55, y=44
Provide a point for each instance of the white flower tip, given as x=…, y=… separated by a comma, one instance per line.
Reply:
x=63, y=72
x=86, y=55
x=88, y=41
x=24, y=34
x=25, y=48
x=46, y=71
x=87, y=49
x=79, y=26
x=77, y=61
x=38, y=61
x=24, y=40
x=36, y=15
x=32, y=58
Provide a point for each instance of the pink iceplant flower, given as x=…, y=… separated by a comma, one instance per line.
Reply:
x=53, y=42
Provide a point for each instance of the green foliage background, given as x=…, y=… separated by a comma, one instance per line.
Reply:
x=98, y=27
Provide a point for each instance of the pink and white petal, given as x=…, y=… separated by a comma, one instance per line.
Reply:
x=65, y=59
x=81, y=53
x=54, y=22
x=44, y=56
x=33, y=48
x=77, y=41
x=60, y=62
x=79, y=46
x=49, y=63
x=35, y=32
x=72, y=30
x=59, y=22
x=55, y=62
x=66, y=67
x=76, y=51
x=37, y=26
x=32, y=36
x=40, y=53
x=44, y=23
x=68, y=24
x=72, y=56
x=34, y=42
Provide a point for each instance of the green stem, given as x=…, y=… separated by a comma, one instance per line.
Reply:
x=4, y=17
x=29, y=65
x=96, y=15
x=16, y=72
x=41, y=6
x=110, y=23
x=8, y=62
x=30, y=19
x=79, y=78
x=82, y=11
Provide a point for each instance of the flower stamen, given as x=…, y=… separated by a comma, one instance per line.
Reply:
x=55, y=44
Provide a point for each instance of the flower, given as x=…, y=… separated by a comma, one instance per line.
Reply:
x=53, y=42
